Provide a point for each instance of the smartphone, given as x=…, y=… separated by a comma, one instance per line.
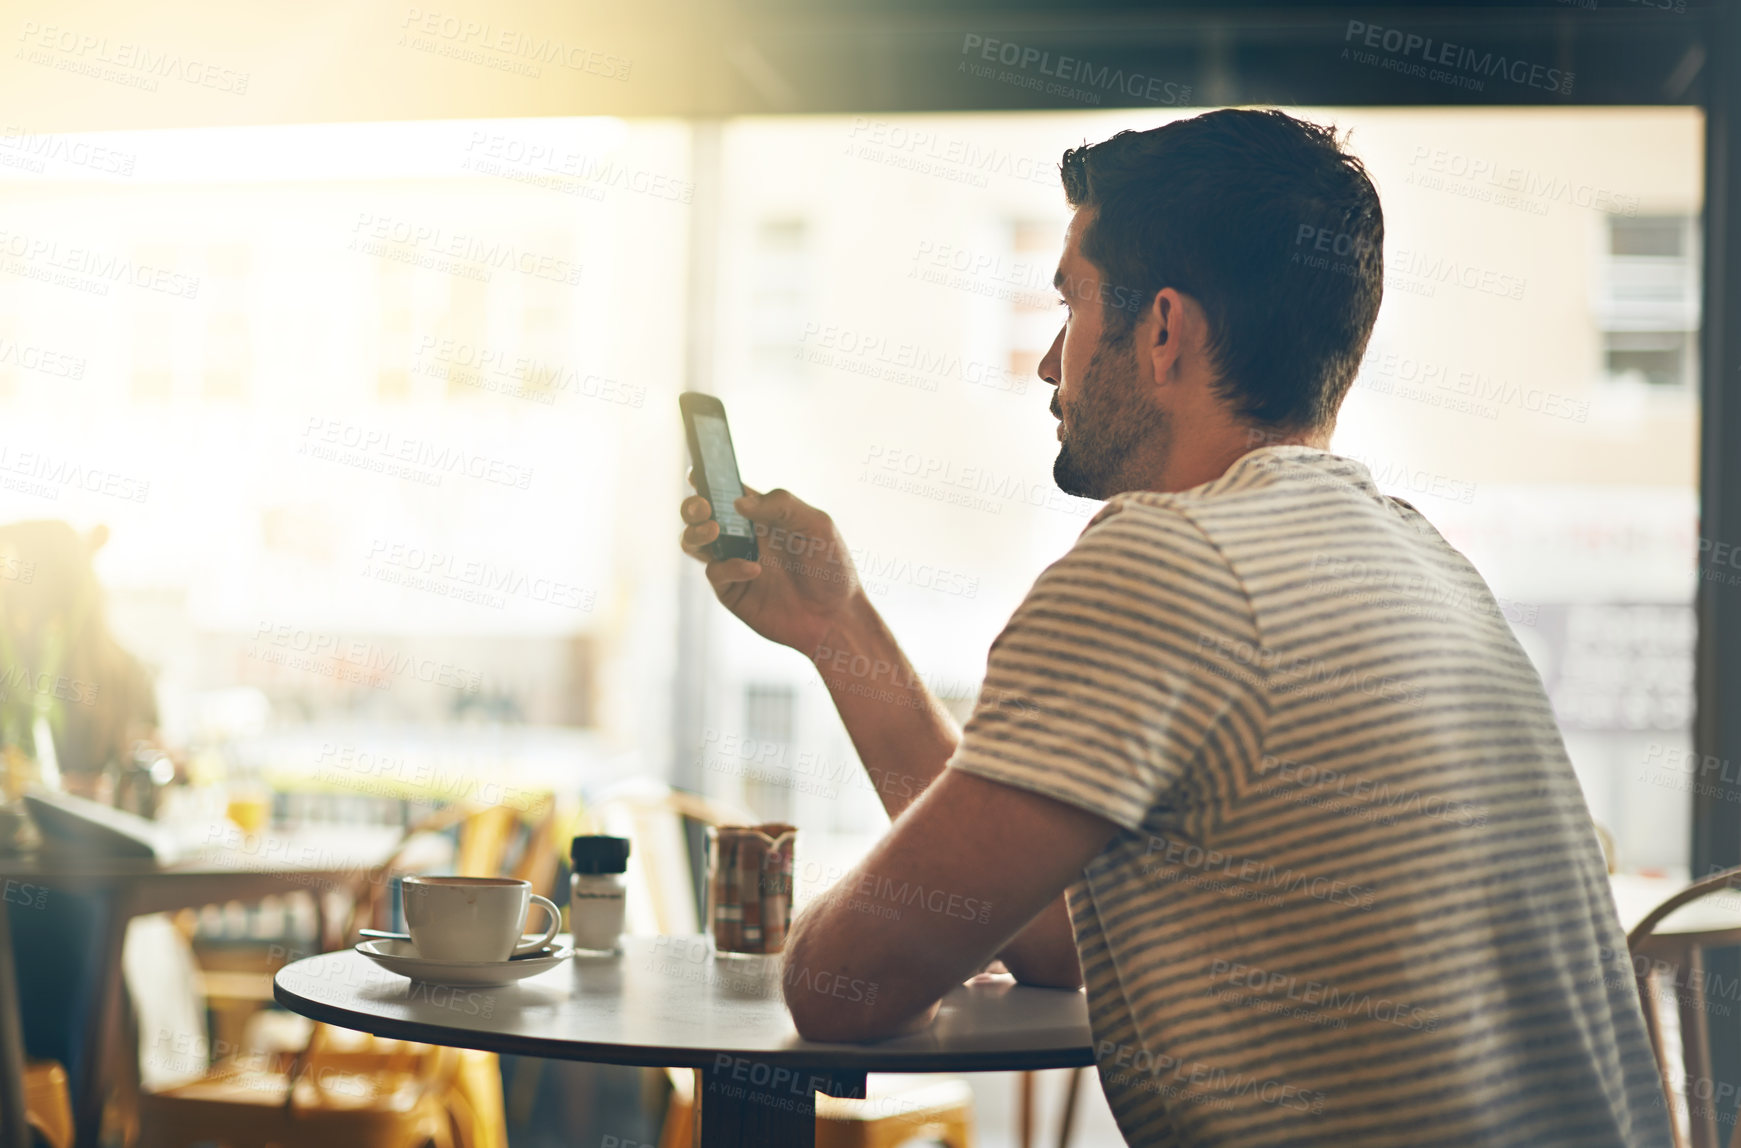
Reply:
x=716, y=473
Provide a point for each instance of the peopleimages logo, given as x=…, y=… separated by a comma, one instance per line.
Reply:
x=1184, y=855
x=1269, y=984
x=33, y=151
x=1377, y=797
x=502, y=48
x=89, y=269
x=121, y=61
x=1128, y=1066
x=1073, y=70
x=960, y=159
x=1446, y=62
x=883, y=897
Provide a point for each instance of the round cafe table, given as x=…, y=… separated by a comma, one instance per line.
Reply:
x=669, y=1002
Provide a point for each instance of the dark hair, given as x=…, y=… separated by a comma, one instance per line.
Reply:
x=1268, y=224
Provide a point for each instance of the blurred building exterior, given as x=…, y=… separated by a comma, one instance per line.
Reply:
x=382, y=417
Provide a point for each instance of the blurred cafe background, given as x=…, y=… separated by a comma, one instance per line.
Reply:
x=339, y=448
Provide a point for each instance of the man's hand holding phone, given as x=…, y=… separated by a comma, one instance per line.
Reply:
x=804, y=584
x=781, y=566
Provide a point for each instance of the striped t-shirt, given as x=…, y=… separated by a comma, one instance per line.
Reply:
x=1356, y=897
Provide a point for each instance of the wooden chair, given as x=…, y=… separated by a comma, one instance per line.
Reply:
x=48, y=1108
x=317, y=1103
x=896, y=1108
x=486, y=836
x=1676, y=957
x=1610, y=853
x=343, y=1089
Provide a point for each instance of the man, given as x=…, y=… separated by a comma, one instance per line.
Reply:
x=1330, y=878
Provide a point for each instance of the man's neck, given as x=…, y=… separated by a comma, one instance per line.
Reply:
x=1208, y=456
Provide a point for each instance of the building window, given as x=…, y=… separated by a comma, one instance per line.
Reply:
x=779, y=295
x=544, y=333
x=1654, y=358
x=228, y=343
x=397, y=320
x=1647, y=305
x=769, y=719
x=467, y=323
x=153, y=354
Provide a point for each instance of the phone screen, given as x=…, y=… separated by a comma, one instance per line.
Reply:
x=724, y=487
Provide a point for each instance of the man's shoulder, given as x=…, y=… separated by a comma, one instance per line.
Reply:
x=1295, y=494
x=1145, y=552
x=1142, y=526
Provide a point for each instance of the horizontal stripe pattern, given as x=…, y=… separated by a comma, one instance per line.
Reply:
x=1356, y=898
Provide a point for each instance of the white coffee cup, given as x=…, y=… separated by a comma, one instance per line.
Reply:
x=472, y=918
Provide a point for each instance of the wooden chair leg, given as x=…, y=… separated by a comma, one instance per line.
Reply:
x=1695, y=1047
x=1653, y=1025
x=1068, y=1117
x=47, y=1105
x=1025, y=1111
x=679, y=1128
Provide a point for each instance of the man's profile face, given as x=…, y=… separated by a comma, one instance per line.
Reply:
x=1106, y=414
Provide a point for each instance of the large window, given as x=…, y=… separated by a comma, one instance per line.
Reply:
x=411, y=386
x=382, y=421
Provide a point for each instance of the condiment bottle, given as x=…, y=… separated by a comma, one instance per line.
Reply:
x=596, y=895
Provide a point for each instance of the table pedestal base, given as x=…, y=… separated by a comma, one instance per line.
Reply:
x=740, y=1101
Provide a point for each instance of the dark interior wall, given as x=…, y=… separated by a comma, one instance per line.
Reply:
x=203, y=62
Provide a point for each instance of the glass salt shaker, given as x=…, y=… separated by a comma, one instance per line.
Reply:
x=596, y=895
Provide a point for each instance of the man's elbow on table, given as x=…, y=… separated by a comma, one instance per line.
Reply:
x=841, y=1022
x=832, y=1022
x=835, y=1005
x=1061, y=970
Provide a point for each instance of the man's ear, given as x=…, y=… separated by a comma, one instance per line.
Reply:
x=98, y=535
x=1164, y=335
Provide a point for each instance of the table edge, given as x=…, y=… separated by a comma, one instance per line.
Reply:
x=820, y=1056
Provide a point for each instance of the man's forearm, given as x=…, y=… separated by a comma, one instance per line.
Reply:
x=902, y=733
x=904, y=738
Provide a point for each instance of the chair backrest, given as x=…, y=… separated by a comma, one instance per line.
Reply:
x=661, y=892
x=1668, y=965
x=1610, y=857
x=485, y=838
x=162, y=979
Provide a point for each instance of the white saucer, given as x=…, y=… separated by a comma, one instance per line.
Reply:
x=401, y=957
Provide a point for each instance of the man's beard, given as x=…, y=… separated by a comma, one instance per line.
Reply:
x=1109, y=422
